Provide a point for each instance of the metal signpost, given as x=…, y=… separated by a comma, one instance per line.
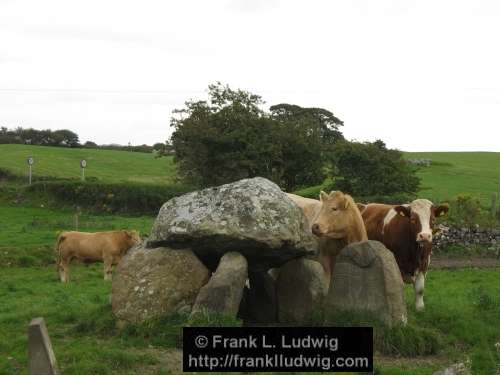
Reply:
x=30, y=161
x=83, y=165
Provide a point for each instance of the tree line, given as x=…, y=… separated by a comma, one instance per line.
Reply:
x=68, y=138
x=229, y=137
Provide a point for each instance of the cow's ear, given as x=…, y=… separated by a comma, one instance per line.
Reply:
x=441, y=210
x=361, y=206
x=347, y=201
x=403, y=211
x=323, y=196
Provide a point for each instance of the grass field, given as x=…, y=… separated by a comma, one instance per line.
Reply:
x=106, y=165
x=453, y=173
x=462, y=307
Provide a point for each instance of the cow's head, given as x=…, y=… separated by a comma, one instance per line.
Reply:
x=422, y=214
x=132, y=237
x=333, y=219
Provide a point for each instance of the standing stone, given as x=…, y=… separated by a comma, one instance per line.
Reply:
x=41, y=358
x=366, y=278
x=223, y=293
x=251, y=216
x=301, y=288
x=150, y=283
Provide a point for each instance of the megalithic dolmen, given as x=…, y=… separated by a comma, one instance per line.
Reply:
x=41, y=358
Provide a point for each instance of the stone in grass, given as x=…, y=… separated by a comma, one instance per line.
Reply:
x=151, y=283
x=366, y=279
x=41, y=358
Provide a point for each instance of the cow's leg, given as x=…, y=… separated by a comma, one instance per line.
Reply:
x=419, y=286
x=64, y=270
x=108, y=268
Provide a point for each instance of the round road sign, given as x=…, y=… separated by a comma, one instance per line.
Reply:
x=30, y=160
x=83, y=163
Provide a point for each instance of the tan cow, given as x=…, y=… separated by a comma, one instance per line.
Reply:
x=107, y=247
x=336, y=220
x=310, y=207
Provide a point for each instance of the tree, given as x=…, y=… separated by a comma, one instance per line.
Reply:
x=308, y=136
x=66, y=137
x=163, y=149
x=90, y=144
x=225, y=138
x=158, y=146
x=365, y=169
x=324, y=121
x=229, y=137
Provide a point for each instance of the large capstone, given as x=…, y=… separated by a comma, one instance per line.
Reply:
x=151, y=283
x=366, y=279
x=251, y=216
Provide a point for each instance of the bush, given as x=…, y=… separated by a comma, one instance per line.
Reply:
x=8, y=175
x=366, y=169
x=465, y=209
x=112, y=198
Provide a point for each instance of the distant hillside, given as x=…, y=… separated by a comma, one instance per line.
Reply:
x=106, y=165
x=452, y=173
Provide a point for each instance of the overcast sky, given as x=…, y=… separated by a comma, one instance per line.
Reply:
x=420, y=75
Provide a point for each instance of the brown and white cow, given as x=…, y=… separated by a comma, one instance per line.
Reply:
x=107, y=247
x=336, y=220
x=406, y=230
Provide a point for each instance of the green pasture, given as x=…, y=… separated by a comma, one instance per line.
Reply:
x=462, y=309
x=453, y=173
x=461, y=306
x=105, y=165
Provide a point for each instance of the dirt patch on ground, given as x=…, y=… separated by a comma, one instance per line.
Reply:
x=478, y=262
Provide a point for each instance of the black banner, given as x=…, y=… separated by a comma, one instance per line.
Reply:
x=272, y=349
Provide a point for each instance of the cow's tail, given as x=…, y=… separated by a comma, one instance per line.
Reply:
x=60, y=239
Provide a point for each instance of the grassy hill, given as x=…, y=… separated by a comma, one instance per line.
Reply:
x=453, y=173
x=106, y=165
